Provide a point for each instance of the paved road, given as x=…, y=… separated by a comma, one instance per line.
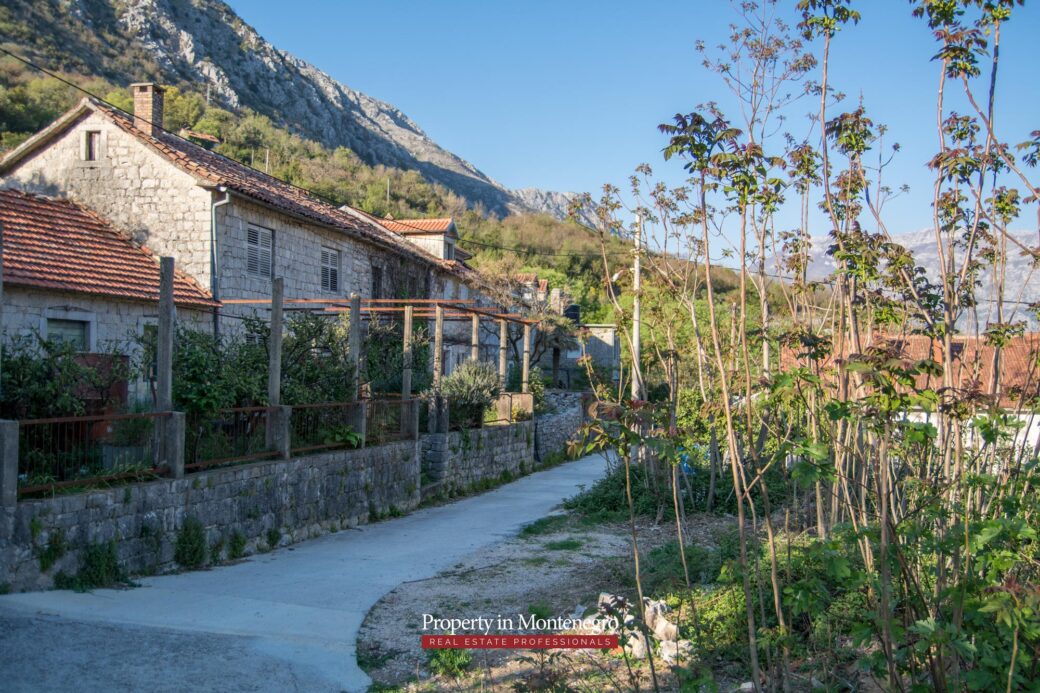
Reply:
x=287, y=620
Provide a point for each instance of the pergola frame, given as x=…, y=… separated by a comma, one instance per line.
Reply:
x=440, y=310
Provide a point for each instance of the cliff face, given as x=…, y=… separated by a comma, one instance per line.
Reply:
x=203, y=44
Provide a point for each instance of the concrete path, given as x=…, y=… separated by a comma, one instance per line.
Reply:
x=279, y=621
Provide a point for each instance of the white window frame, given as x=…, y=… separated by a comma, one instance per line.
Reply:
x=257, y=253
x=330, y=270
x=77, y=315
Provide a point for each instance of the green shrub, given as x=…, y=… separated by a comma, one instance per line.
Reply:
x=449, y=662
x=606, y=501
x=273, y=537
x=469, y=390
x=190, y=550
x=99, y=567
x=237, y=545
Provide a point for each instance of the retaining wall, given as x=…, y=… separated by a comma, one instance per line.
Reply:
x=282, y=501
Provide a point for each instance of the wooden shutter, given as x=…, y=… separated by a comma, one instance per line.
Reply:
x=329, y=270
x=259, y=251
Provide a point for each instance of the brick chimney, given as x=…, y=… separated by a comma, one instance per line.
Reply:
x=148, y=107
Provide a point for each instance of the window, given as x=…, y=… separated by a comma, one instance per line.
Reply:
x=330, y=270
x=91, y=145
x=259, y=251
x=74, y=332
x=377, y=282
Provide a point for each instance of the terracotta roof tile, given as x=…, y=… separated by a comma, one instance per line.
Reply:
x=972, y=363
x=407, y=226
x=55, y=244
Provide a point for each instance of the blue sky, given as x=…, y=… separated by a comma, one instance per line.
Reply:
x=567, y=95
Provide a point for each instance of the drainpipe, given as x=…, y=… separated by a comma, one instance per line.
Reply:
x=214, y=279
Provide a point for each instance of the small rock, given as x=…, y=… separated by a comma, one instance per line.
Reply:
x=579, y=612
x=636, y=645
x=747, y=687
x=665, y=630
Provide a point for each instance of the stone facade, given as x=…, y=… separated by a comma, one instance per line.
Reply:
x=112, y=324
x=130, y=185
x=292, y=500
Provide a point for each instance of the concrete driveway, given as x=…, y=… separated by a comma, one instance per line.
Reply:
x=287, y=620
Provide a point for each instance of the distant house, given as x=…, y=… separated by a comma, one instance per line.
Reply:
x=230, y=227
x=1017, y=377
x=70, y=276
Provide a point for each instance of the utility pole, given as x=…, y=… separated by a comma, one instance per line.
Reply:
x=637, y=371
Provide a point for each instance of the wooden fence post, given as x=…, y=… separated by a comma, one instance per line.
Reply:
x=406, y=372
x=355, y=345
x=503, y=354
x=438, y=346
x=474, y=338
x=525, y=385
x=274, y=356
x=409, y=415
x=164, y=348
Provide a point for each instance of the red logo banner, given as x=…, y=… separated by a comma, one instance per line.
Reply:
x=519, y=642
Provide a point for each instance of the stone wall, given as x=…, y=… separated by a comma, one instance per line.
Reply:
x=483, y=455
x=281, y=501
x=462, y=461
x=554, y=430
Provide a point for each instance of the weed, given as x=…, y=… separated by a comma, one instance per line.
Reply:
x=190, y=550
x=564, y=545
x=35, y=527
x=273, y=537
x=99, y=567
x=5, y=588
x=449, y=662
x=54, y=550
x=540, y=610
x=545, y=525
x=215, y=549
x=536, y=560
x=127, y=496
x=237, y=545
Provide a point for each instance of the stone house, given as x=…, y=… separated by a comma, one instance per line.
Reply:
x=229, y=227
x=70, y=276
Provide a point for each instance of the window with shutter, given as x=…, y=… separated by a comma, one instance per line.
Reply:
x=330, y=270
x=259, y=251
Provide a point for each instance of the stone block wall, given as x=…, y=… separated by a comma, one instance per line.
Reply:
x=482, y=455
x=284, y=501
x=556, y=429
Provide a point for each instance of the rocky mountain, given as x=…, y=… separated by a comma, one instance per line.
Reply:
x=1022, y=281
x=204, y=46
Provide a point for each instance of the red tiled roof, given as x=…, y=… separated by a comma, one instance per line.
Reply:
x=406, y=226
x=219, y=170
x=54, y=244
x=972, y=363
